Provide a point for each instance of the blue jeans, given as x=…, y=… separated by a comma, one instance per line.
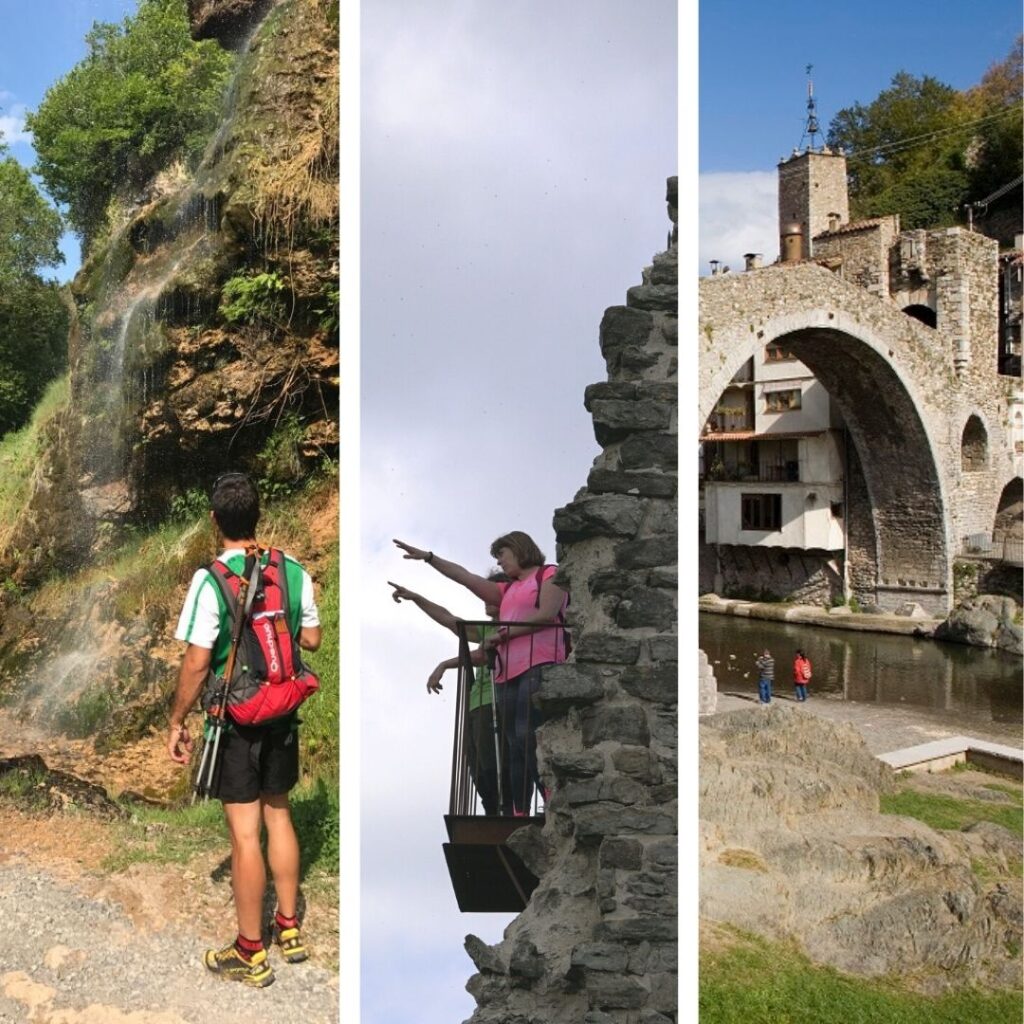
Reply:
x=764, y=690
x=801, y=691
x=520, y=720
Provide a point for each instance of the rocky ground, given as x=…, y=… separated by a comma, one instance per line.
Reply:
x=793, y=846
x=85, y=945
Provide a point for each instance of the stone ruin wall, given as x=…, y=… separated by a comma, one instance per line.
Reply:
x=597, y=942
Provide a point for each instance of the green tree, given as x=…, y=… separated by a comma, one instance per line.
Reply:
x=30, y=228
x=144, y=95
x=904, y=153
x=33, y=317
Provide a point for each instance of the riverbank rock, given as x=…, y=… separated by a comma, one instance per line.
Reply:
x=793, y=847
x=988, y=620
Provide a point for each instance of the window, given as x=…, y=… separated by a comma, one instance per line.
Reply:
x=760, y=511
x=775, y=353
x=782, y=401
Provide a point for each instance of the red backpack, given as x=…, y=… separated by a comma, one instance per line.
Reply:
x=268, y=679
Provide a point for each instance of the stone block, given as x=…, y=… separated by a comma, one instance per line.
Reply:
x=658, y=391
x=487, y=989
x=616, y=991
x=625, y=854
x=646, y=554
x=647, y=485
x=623, y=391
x=653, y=451
x=607, y=648
x=612, y=581
x=615, y=420
x=670, y=330
x=624, y=723
x=658, y=682
x=533, y=848
x=643, y=606
x=664, y=577
x=637, y=929
x=567, y=765
x=621, y=326
x=663, y=648
x=653, y=297
x=638, y=763
x=662, y=854
x=600, y=515
x=566, y=686
x=663, y=957
x=599, y=956
x=595, y=821
x=633, y=361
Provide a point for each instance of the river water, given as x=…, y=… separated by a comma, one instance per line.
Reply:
x=954, y=683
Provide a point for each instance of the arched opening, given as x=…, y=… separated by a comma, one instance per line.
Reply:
x=974, y=446
x=892, y=556
x=1008, y=529
x=921, y=312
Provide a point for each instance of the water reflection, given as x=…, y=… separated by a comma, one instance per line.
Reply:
x=968, y=683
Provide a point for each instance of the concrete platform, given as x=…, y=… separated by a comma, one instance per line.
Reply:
x=945, y=753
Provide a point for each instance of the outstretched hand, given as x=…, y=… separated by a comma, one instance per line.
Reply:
x=410, y=552
x=402, y=593
x=434, y=682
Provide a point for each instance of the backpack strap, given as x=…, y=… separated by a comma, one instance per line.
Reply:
x=275, y=557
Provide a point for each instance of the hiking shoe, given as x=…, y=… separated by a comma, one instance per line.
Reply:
x=290, y=941
x=229, y=963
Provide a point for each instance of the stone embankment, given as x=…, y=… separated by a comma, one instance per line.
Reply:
x=793, y=846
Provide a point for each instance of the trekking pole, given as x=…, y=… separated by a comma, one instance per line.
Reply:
x=246, y=594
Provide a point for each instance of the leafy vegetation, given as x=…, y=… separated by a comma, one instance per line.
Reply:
x=251, y=298
x=144, y=95
x=747, y=980
x=922, y=149
x=33, y=317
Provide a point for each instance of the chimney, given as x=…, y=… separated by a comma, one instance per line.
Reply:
x=752, y=260
x=792, y=243
x=714, y=268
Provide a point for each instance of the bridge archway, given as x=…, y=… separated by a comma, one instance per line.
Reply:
x=876, y=372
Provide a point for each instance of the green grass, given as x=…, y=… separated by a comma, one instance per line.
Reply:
x=19, y=454
x=757, y=982
x=157, y=835
x=949, y=812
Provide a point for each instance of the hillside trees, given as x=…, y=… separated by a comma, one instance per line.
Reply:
x=144, y=95
x=922, y=149
x=33, y=317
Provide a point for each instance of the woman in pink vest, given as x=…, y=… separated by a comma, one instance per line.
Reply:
x=522, y=644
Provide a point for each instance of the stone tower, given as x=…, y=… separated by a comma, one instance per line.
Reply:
x=596, y=943
x=813, y=194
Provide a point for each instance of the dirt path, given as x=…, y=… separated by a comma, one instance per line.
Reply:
x=83, y=946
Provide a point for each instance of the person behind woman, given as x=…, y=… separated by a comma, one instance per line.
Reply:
x=801, y=674
x=481, y=747
x=528, y=604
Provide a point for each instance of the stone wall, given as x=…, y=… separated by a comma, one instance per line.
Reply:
x=597, y=942
x=779, y=574
x=707, y=686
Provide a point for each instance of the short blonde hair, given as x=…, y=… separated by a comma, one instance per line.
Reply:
x=522, y=545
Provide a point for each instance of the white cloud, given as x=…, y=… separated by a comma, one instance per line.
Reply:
x=738, y=214
x=12, y=122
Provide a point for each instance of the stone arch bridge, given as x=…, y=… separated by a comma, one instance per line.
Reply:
x=906, y=410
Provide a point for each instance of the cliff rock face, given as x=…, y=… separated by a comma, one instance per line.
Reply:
x=206, y=329
x=793, y=847
x=597, y=942
x=227, y=21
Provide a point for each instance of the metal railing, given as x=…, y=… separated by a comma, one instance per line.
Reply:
x=489, y=774
x=997, y=549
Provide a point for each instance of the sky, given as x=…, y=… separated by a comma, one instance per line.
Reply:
x=752, y=101
x=41, y=41
x=514, y=160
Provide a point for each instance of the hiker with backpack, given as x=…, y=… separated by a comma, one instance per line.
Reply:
x=245, y=618
x=529, y=604
x=801, y=675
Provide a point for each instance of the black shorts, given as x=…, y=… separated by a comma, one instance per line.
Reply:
x=254, y=762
